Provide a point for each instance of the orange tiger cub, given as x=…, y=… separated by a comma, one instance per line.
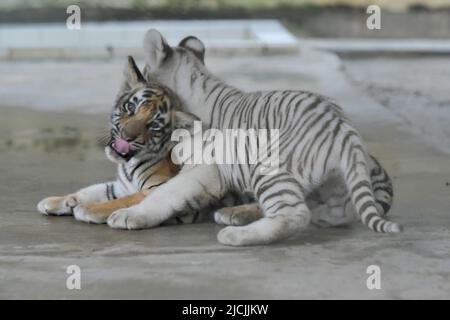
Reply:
x=142, y=121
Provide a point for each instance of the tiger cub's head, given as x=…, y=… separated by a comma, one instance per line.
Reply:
x=143, y=118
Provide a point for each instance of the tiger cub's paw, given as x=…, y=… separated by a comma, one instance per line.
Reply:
x=90, y=213
x=58, y=206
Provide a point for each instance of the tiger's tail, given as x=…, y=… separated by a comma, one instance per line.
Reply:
x=381, y=185
x=361, y=189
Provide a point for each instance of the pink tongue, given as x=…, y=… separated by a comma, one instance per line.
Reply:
x=122, y=146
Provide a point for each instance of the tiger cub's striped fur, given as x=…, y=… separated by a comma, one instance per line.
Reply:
x=323, y=161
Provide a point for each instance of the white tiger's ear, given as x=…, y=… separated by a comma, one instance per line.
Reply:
x=195, y=45
x=183, y=120
x=156, y=48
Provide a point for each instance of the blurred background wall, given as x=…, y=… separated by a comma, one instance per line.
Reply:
x=306, y=18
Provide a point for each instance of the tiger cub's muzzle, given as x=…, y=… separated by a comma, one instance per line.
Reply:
x=131, y=138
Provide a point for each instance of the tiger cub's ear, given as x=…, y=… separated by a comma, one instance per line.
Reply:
x=133, y=75
x=183, y=120
x=195, y=45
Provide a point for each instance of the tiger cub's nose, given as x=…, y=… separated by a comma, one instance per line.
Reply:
x=130, y=133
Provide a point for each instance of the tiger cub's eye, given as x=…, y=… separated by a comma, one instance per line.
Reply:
x=153, y=125
x=129, y=108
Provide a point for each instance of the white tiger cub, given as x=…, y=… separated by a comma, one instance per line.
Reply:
x=319, y=150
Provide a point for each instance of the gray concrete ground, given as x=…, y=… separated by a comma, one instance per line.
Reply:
x=414, y=88
x=44, y=153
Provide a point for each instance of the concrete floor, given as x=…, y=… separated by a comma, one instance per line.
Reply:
x=413, y=88
x=43, y=153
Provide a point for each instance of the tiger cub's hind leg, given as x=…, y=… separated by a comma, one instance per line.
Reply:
x=335, y=212
x=331, y=205
x=239, y=215
x=285, y=212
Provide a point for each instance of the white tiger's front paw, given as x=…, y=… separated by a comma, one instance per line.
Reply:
x=83, y=213
x=57, y=206
x=232, y=236
x=126, y=219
